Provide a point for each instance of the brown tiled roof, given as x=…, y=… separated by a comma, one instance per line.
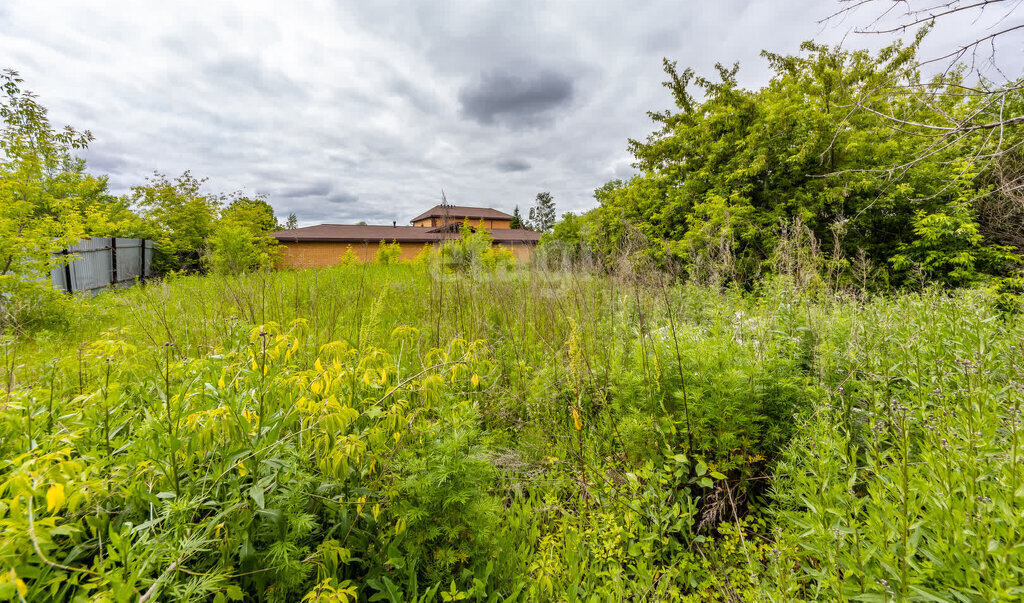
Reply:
x=514, y=235
x=348, y=233
x=460, y=211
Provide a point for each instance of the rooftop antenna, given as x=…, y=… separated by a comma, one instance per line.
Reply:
x=444, y=214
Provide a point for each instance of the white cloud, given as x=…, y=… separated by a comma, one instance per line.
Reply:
x=344, y=111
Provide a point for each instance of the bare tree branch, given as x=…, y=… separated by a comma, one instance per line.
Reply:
x=895, y=100
x=885, y=18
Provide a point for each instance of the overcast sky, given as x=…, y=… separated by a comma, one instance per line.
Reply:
x=345, y=111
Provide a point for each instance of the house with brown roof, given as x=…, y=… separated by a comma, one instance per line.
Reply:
x=443, y=215
x=326, y=244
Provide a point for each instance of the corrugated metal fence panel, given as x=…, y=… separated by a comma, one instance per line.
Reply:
x=129, y=259
x=90, y=244
x=57, y=276
x=92, y=268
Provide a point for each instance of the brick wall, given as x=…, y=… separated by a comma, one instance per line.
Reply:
x=319, y=255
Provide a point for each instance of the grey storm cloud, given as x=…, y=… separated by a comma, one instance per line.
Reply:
x=344, y=111
x=316, y=189
x=516, y=99
x=513, y=165
x=342, y=198
x=241, y=75
x=334, y=207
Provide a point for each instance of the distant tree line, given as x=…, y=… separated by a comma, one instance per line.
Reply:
x=48, y=200
x=196, y=232
x=542, y=214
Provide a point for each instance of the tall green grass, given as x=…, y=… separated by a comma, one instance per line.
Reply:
x=397, y=433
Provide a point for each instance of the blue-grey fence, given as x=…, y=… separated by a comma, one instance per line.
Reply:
x=101, y=262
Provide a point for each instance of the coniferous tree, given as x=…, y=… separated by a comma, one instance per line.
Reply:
x=517, y=219
x=542, y=215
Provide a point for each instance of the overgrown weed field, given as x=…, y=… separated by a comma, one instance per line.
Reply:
x=388, y=433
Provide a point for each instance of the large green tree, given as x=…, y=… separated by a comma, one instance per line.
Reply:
x=734, y=167
x=255, y=213
x=181, y=217
x=44, y=191
x=48, y=202
x=241, y=239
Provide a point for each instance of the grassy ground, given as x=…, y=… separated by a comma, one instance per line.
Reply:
x=392, y=433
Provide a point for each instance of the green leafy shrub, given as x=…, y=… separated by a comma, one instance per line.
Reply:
x=349, y=258
x=903, y=484
x=234, y=249
x=426, y=256
x=475, y=250
x=388, y=253
x=447, y=517
x=33, y=306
